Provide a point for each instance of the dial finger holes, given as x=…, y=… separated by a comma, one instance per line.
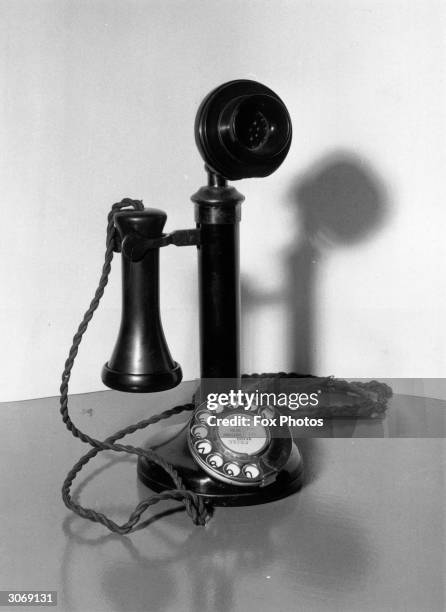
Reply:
x=215, y=460
x=251, y=471
x=202, y=417
x=231, y=469
x=203, y=447
x=199, y=431
x=267, y=413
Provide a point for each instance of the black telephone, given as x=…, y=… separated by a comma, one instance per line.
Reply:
x=231, y=454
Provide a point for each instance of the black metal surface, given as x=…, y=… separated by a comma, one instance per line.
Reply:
x=217, y=213
x=243, y=129
x=141, y=361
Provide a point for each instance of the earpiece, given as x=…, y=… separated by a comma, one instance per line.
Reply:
x=242, y=130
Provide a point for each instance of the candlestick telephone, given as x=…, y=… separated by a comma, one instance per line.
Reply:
x=242, y=130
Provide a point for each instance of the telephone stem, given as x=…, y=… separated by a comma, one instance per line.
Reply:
x=217, y=216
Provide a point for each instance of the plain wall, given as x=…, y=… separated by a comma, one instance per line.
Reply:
x=343, y=248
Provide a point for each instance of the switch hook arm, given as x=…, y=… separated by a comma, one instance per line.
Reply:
x=134, y=246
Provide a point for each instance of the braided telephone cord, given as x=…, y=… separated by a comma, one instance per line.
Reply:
x=195, y=506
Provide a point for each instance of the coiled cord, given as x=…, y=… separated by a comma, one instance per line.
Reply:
x=194, y=505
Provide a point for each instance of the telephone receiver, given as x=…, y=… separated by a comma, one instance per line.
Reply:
x=227, y=455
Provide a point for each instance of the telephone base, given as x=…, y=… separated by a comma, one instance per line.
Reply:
x=171, y=445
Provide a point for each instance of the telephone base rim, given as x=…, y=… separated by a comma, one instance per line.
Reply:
x=171, y=444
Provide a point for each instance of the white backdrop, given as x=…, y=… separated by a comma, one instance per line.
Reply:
x=343, y=249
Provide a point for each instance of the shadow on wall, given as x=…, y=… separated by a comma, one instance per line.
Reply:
x=339, y=201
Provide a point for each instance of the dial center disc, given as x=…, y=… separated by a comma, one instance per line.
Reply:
x=247, y=438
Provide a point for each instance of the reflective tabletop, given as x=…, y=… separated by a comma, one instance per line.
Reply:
x=365, y=533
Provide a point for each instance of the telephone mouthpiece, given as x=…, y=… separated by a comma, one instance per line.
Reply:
x=242, y=130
